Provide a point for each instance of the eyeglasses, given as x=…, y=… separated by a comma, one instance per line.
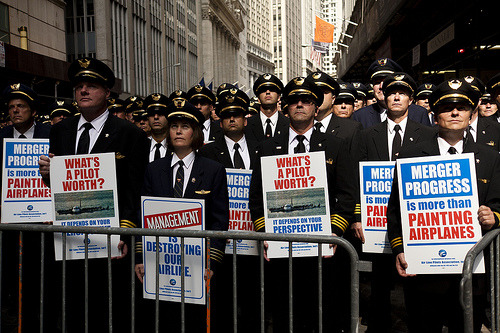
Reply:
x=305, y=100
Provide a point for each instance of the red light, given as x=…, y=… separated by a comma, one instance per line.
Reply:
x=461, y=51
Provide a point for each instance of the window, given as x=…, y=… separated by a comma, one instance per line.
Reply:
x=4, y=23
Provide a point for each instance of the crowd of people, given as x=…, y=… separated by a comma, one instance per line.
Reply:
x=180, y=145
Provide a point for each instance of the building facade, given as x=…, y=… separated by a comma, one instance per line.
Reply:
x=258, y=40
x=332, y=13
x=220, y=59
x=287, y=39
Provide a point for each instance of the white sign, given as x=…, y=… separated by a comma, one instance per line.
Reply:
x=25, y=198
x=84, y=194
x=170, y=213
x=238, y=187
x=439, y=204
x=295, y=191
x=444, y=37
x=375, y=184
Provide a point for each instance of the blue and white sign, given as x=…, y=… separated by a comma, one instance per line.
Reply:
x=174, y=213
x=439, y=204
x=375, y=184
x=238, y=187
x=25, y=198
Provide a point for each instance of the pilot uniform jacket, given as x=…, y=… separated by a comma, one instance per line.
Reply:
x=488, y=184
x=131, y=147
x=218, y=151
x=340, y=172
x=215, y=130
x=207, y=181
x=254, y=131
x=488, y=133
x=346, y=129
x=375, y=145
x=370, y=115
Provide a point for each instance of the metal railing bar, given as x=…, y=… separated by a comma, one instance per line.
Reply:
x=320, y=288
x=86, y=283
x=157, y=286
x=183, y=288
x=290, y=287
x=235, y=289
x=110, y=286
x=63, y=283
x=132, y=284
x=261, y=278
x=42, y=277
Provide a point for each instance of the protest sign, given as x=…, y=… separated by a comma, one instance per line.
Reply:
x=295, y=201
x=238, y=186
x=84, y=194
x=439, y=204
x=170, y=213
x=25, y=198
x=375, y=184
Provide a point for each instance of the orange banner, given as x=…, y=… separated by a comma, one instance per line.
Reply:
x=323, y=32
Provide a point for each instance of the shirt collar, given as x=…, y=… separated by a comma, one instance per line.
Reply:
x=274, y=118
x=153, y=143
x=325, y=120
x=292, y=135
x=391, y=124
x=444, y=146
x=473, y=124
x=230, y=143
x=97, y=123
x=29, y=134
x=206, y=124
x=188, y=160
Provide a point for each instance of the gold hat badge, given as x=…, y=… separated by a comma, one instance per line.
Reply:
x=84, y=63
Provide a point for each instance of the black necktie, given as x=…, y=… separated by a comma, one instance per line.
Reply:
x=301, y=148
x=84, y=142
x=269, y=130
x=22, y=136
x=157, y=151
x=452, y=151
x=396, y=143
x=317, y=126
x=179, y=180
x=468, y=134
x=238, y=160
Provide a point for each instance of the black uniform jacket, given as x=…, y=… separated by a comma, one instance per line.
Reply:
x=340, y=172
x=375, y=145
x=488, y=184
x=488, y=133
x=218, y=151
x=370, y=115
x=346, y=129
x=207, y=181
x=131, y=147
x=215, y=130
x=255, y=132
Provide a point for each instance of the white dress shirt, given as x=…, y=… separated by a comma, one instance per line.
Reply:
x=29, y=134
x=188, y=166
x=324, y=123
x=245, y=155
x=293, y=142
x=152, y=148
x=274, y=121
x=445, y=146
x=94, y=132
x=391, y=132
x=206, y=129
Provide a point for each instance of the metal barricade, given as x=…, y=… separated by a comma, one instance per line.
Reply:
x=355, y=267
x=490, y=240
